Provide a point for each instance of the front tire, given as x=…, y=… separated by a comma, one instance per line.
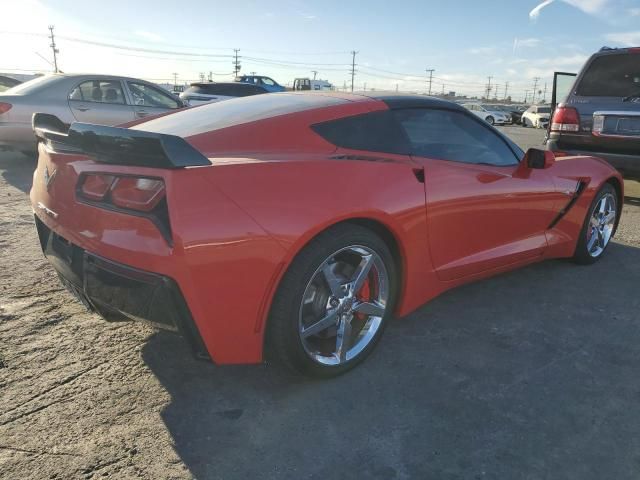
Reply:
x=490, y=120
x=333, y=303
x=599, y=226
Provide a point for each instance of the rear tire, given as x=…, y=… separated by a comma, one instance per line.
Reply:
x=599, y=226
x=320, y=323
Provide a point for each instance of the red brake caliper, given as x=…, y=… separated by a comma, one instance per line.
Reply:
x=364, y=295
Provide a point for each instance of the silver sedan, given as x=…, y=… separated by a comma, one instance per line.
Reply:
x=101, y=99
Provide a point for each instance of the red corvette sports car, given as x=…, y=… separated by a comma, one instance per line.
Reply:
x=300, y=223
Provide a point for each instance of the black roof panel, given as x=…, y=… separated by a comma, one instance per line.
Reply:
x=399, y=100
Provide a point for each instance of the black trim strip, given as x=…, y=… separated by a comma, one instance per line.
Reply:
x=580, y=187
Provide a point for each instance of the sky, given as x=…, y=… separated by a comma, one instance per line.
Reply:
x=464, y=41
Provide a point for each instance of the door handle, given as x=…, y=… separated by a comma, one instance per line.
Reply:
x=82, y=108
x=142, y=113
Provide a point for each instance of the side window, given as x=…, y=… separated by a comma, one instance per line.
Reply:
x=148, y=96
x=100, y=91
x=452, y=135
x=268, y=81
x=373, y=132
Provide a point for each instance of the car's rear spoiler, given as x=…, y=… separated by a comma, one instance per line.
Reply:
x=115, y=145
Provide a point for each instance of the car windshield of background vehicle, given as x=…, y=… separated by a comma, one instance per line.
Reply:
x=612, y=76
x=544, y=110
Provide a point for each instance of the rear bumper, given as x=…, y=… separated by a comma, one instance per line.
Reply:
x=119, y=292
x=627, y=164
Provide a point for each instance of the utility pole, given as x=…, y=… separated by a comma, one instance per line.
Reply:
x=54, y=49
x=506, y=87
x=396, y=87
x=175, y=78
x=526, y=95
x=353, y=67
x=535, y=86
x=544, y=95
x=252, y=73
x=315, y=72
x=365, y=87
x=489, y=87
x=495, y=91
x=210, y=76
x=430, y=72
x=443, y=89
x=236, y=62
x=202, y=76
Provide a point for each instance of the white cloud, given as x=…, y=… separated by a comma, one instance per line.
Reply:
x=525, y=43
x=482, y=50
x=628, y=39
x=535, y=13
x=592, y=7
x=634, y=12
x=154, y=37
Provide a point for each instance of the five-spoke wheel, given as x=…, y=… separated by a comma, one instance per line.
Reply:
x=598, y=227
x=334, y=301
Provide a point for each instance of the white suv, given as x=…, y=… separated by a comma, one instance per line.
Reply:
x=536, y=116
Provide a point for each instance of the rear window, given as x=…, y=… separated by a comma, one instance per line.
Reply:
x=611, y=76
x=218, y=115
x=35, y=85
x=374, y=132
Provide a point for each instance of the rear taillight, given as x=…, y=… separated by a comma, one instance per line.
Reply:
x=127, y=192
x=5, y=107
x=565, y=119
x=96, y=187
x=135, y=193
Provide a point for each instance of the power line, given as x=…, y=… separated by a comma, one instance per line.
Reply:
x=535, y=86
x=353, y=67
x=54, y=49
x=236, y=62
x=488, y=89
x=430, y=72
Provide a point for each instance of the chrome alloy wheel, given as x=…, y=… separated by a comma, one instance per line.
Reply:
x=343, y=305
x=601, y=225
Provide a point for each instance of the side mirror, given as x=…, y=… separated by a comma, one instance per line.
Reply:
x=536, y=158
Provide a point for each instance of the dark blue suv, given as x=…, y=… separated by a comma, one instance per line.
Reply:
x=600, y=114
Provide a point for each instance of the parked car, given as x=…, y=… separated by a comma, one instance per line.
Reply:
x=302, y=84
x=600, y=115
x=536, y=116
x=207, y=92
x=310, y=221
x=101, y=99
x=515, y=111
x=269, y=84
x=488, y=113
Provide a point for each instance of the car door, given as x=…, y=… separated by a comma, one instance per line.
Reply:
x=100, y=101
x=485, y=210
x=148, y=100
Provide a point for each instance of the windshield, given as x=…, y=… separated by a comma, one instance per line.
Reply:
x=544, y=110
x=612, y=76
x=34, y=85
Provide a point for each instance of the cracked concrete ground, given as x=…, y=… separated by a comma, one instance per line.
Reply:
x=532, y=374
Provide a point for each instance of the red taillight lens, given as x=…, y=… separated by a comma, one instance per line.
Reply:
x=565, y=119
x=137, y=193
x=5, y=107
x=95, y=186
